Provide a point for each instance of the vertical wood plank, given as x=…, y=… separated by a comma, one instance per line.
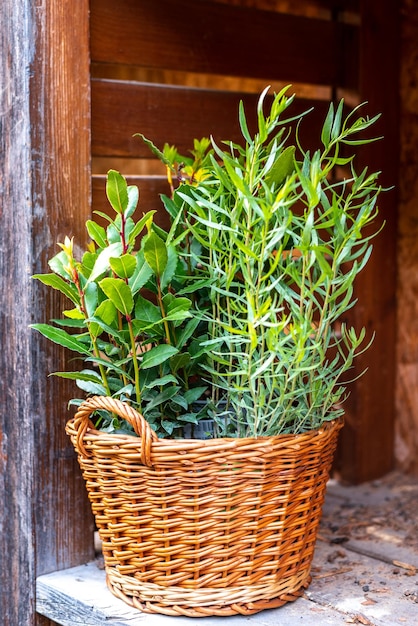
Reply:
x=60, y=115
x=45, y=182
x=406, y=448
x=367, y=441
x=17, y=562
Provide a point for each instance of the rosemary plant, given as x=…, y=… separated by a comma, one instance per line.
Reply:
x=282, y=241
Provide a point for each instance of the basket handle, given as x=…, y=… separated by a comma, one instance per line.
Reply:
x=82, y=423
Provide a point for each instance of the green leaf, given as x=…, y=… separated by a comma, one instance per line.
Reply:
x=168, y=426
x=163, y=396
x=102, y=262
x=83, y=375
x=56, y=282
x=160, y=382
x=187, y=332
x=326, y=129
x=133, y=197
x=98, y=324
x=90, y=298
x=194, y=394
x=141, y=275
x=87, y=263
x=157, y=355
x=58, y=264
x=117, y=191
x=179, y=360
x=119, y=293
x=123, y=266
x=59, y=336
x=178, y=304
x=145, y=219
x=283, y=167
x=155, y=253
x=94, y=389
x=243, y=124
x=170, y=268
x=336, y=125
x=146, y=311
x=97, y=233
x=74, y=314
x=106, y=312
x=154, y=149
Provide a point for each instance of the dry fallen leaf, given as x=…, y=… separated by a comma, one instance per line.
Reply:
x=369, y=601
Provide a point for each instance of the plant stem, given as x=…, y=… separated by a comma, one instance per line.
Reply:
x=135, y=361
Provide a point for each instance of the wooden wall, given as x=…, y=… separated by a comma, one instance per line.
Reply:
x=45, y=523
x=345, y=46
x=407, y=289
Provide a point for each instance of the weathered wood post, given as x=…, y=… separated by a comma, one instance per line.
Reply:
x=44, y=191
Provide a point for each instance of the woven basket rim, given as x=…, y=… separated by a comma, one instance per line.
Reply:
x=228, y=441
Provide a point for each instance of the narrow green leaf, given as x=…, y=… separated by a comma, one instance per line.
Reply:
x=83, y=375
x=243, y=123
x=154, y=149
x=62, y=338
x=56, y=282
x=336, y=125
x=171, y=266
x=326, y=129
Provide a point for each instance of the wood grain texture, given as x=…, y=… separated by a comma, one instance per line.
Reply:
x=17, y=480
x=176, y=115
x=406, y=448
x=220, y=39
x=80, y=596
x=44, y=160
x=367, y=440
x=60, y=99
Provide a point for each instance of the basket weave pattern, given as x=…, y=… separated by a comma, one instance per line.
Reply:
x=196, y=528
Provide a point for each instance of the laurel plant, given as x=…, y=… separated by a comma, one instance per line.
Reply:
x=137, y=335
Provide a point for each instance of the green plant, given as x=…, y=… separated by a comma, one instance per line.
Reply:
x=240, y=301
x=282, y=240
x=129, y=321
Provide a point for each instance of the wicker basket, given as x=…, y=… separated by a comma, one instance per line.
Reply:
x=198, y=528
